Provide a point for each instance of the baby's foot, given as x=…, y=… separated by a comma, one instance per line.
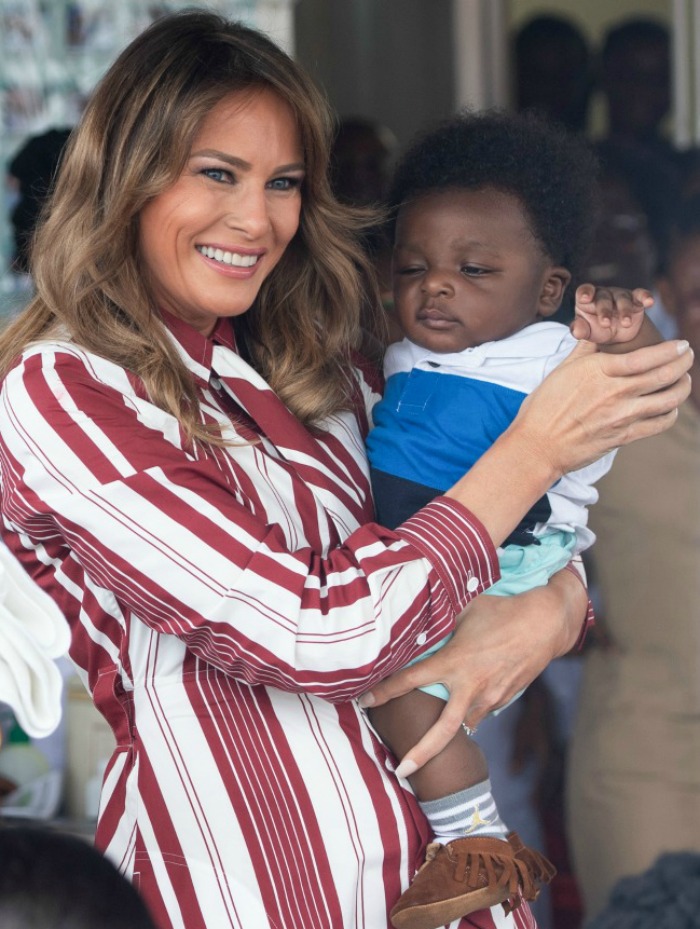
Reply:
x=467, y=875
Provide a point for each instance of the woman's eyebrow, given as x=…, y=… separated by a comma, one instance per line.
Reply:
x=240, y=163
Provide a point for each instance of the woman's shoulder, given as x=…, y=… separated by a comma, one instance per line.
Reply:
x=59, y=360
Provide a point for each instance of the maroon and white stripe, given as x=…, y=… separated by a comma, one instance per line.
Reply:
x=226, y=608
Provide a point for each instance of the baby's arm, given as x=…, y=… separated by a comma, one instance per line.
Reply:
x=614, y=318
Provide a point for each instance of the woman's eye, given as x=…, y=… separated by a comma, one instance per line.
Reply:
x=285, y=183
x=221, y=175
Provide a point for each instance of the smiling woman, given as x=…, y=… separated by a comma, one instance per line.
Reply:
x=210, y=240
x=182, y=420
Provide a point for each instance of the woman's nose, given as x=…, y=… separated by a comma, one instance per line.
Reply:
x=250, y=212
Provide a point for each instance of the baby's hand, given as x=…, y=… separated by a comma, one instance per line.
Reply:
x=605, y=315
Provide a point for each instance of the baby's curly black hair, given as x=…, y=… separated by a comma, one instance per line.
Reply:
x=552, y=172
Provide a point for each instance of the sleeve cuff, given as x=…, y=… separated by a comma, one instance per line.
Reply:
x=458, y=547
x=575, y=566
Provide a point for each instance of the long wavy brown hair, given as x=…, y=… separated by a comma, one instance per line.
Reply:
x=132, y=143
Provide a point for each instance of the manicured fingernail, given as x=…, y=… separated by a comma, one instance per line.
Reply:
x=366, y=700
x=406, y=768
x=682, y=346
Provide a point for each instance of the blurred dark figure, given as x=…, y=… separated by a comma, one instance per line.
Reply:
x=53, y=881
x=33, y=169
x=666, y=896
x=361, y=162
x=635, y=79
x=679, y=272
x=553, y=70
x=637, y=199
x=633, y=788
x=688, y=163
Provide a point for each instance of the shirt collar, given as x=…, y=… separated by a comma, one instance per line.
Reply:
x=537, y=340
x=195, y=349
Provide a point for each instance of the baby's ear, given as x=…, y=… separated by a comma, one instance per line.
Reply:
x=556, y=282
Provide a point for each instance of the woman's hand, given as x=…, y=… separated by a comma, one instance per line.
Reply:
x=500, y=645
x=592, y=403
x=595, y=402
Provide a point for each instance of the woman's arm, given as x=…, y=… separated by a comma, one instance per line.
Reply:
x=500, y=645
x=240, y=553
x=592, y=403
x=95, y=476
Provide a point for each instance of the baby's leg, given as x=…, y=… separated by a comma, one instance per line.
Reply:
x=453, y=787
x=472, y=864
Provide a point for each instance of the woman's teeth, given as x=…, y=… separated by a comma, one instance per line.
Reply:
x=228, y=258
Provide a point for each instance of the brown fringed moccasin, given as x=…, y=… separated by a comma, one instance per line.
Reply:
x=467, y=875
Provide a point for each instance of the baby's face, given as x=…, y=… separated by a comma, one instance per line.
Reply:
x=467, y=269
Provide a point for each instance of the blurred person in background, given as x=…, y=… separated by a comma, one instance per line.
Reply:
x=637, y=197
x=634, y=765
x=635, y=80
x=360, y=167
x=49, y=880
x=32, y=171
x=553, y=70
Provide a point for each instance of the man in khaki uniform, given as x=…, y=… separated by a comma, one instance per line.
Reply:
x=634, y=765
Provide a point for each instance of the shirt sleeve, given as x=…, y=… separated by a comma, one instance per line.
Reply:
x=174, y=541
x=577, y=568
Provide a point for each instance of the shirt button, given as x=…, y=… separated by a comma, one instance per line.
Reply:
x=422, y=638
x=215, y=383
x=472, y=584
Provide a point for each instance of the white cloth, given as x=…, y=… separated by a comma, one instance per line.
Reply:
x=33, y=632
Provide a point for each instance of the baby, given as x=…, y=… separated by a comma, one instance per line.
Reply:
x=492, y=213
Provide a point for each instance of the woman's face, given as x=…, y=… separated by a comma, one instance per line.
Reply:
x=210, y=240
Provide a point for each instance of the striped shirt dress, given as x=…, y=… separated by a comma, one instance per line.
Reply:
x=227, y=607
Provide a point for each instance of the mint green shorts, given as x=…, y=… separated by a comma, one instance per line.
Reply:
x=523, y=567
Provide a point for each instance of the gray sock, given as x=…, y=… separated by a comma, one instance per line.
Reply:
x=467, y=812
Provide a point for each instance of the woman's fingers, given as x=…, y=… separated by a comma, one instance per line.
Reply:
x=435, y=739
x=595, y=402
x=663, y=363
x=480, y=666
x=430, y=671
x=645, y=427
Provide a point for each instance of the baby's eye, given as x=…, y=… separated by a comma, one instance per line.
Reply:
x=474, y=271
x=285, y=183
x=220, y=175
x=409, y=269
